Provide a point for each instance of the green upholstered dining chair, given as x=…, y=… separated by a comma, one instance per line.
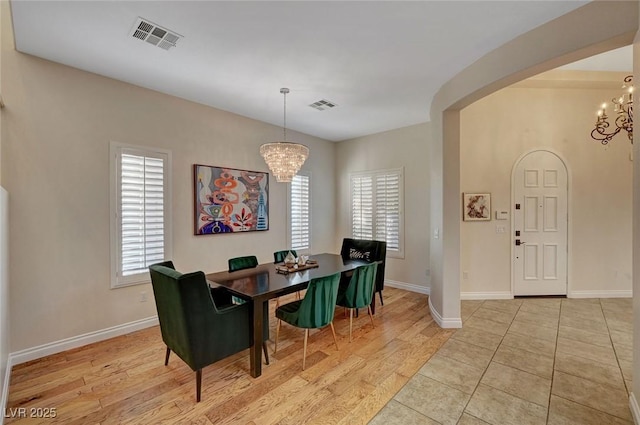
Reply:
x=359, y=292
x=314, y=311
x=278, y=256
x=198, y=323
x=241, y=263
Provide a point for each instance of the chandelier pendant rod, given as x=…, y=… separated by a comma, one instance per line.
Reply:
x=284, y=92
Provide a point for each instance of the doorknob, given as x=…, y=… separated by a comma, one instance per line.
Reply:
x=519, y=242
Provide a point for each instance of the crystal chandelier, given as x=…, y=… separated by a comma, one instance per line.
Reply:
x=284, y=158
x=623, y=108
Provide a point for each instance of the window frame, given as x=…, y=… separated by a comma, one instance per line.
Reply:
x=373, y=174
x=306, y=174
x=116, y=150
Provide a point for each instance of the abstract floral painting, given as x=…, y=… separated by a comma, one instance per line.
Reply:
x=476, y=206
x=229, y=200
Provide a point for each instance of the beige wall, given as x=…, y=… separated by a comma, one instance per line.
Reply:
x=56, y=169
x=405, y=147
x=496, y=131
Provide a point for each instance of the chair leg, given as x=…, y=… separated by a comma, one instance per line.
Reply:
x=304, y=351
x=350, y=322
x=370, y=315
x=298, y=295
x=166, y=358
x=277, y=302
x=266, y=353
x=198, y=384
x=334, y=336
x=380, y=293
x=275, y=346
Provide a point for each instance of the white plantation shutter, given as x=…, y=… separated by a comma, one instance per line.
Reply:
x=141, y=219
x=300, y=213
x=362, y=206
x=141, y=208
x=387, y=206
x=376, y=207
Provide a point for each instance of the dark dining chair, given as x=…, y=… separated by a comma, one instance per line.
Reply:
x=241, y=263
x=314, y=311
x=198, y=323
x=278, y=256
x=370, y=251
x=359, y=292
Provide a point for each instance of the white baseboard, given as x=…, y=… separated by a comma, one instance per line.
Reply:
x=635, y=409
x=444, y=322
x=601, y=294
x=5, y=389
x=33, y=353
x=500, y=295
x=408, y=286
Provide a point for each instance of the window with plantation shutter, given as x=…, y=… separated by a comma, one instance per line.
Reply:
x=140, y=206
x=300, y=213
x=376, y=208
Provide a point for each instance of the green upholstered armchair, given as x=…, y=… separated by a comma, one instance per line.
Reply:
x=278, y=256
x=359, y=292
x=241, y=263
x=315, y=310
x=197, y=323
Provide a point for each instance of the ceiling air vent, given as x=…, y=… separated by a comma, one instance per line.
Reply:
x=323, y=104
x=153, y=34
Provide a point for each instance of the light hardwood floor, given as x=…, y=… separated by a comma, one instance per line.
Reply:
x=124, y=380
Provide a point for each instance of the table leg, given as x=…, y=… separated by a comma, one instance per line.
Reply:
x=255, y=353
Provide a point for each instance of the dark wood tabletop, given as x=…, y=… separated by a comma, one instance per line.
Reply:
x=262, y=283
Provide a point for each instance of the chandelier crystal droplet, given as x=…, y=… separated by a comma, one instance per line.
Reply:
x=284, y=159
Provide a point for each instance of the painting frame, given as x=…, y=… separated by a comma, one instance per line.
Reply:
x=476, y=206
x=229, y=200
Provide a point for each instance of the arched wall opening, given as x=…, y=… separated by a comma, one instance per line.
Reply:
x=594, y=28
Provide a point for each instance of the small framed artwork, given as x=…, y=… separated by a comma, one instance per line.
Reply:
x=476, y=206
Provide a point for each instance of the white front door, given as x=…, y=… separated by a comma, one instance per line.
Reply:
x=540, y=224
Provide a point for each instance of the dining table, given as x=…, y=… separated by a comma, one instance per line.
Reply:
x=264, y=282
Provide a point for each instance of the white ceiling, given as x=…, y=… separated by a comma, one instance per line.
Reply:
x=380, y=62
x=614, y=60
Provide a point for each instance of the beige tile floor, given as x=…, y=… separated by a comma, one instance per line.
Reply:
x=525, y=361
